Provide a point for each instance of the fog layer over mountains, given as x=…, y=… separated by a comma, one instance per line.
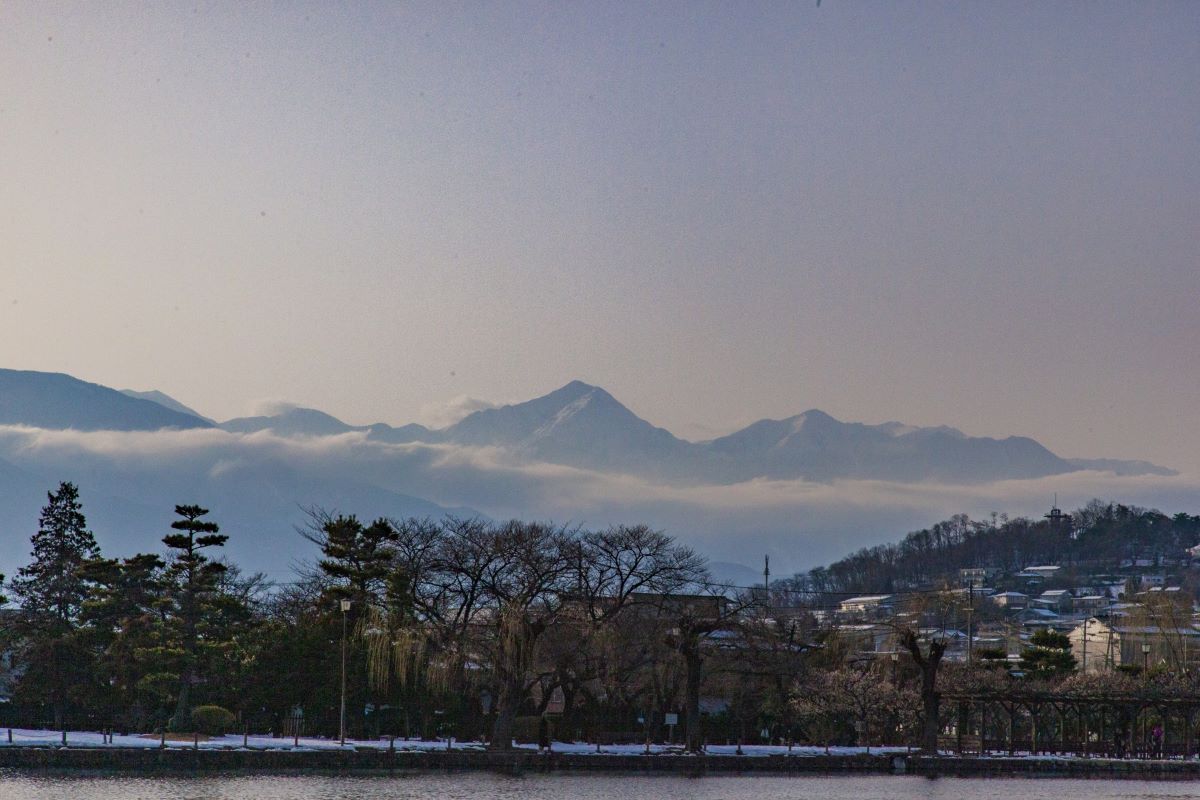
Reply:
x=585, y=426
x=806, y=489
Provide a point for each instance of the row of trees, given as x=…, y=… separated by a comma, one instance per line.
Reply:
x=464, y=627
x=453, y=624
x=134, y=633
x=506, y=612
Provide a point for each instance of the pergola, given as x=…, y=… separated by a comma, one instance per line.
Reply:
x=1117, y=725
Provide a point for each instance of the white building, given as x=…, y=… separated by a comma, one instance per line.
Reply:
x=868, y=605
x=1012, y=600
x=1107, y=647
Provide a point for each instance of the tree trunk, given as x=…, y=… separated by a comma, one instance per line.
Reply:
x=182, y=716
x=508, y=700
x=930, y=699
x=931, y=702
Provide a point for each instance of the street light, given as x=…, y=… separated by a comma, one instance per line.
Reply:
x=1145, y=677
x=345, y=604
x=895, y=661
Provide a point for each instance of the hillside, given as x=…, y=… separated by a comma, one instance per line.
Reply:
x=54, y=400
x=1099, y=535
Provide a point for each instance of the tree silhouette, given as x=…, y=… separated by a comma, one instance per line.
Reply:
x=192, y=579
x=52, y=589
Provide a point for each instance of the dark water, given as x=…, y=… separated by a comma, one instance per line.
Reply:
x=14, y=784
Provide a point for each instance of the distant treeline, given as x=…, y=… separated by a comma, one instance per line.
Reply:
x=1097, y=536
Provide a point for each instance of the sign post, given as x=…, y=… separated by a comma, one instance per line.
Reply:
x=671, y=720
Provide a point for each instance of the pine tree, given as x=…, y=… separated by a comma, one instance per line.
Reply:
x=121, y=624
x=357, y=558
x=193, y=580
x=1048, y=656
x=51, y=589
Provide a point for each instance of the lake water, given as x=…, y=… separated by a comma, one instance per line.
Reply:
x=459, y=786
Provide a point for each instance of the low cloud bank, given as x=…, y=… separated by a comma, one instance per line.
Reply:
x=257, y=484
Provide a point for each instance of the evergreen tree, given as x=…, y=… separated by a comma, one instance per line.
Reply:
x=357, y=559
x=192, y=588
x=232, y=615
x=1049, y=655
x=121, y=622
x=355, y=565
x=51, y=590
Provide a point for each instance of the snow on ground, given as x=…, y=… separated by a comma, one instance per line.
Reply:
x=24, y=737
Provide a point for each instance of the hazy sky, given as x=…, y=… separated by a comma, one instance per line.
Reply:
x=979, y=214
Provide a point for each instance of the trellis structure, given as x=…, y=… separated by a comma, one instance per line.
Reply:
x=1107, y=725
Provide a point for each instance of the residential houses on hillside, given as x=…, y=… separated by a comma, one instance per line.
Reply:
x=1140, y=616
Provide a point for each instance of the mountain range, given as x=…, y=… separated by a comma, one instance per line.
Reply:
x=137, y=453
x=584, y=426
x=581, y=425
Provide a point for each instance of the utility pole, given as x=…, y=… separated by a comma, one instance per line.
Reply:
x=1086, y=620
x=766, y=596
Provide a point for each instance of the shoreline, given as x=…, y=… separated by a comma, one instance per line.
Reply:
x=186, y=760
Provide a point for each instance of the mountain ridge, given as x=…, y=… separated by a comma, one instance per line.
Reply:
x=583, y=425
x=166, y=400
x=55, y=400
x=258, y=486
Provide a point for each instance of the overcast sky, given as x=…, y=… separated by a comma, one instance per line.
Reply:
x=979, y=214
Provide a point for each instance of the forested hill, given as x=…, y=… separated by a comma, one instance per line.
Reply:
x=1099, y=536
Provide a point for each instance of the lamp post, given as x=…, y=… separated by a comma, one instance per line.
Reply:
x=895, y=662
x=1145, y=677
x=345, y=605
x=970, y=612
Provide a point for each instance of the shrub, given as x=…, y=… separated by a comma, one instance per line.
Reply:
x=212, y=720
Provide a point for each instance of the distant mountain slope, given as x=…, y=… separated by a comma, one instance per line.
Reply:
x=579, y=425
x=166, y=401
x=1120, y=466
x=815, y=446
x=310, y=422
x=293, y=422
x=584, y=426
x=54, y=400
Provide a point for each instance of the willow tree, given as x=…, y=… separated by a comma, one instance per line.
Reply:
x=402, y=656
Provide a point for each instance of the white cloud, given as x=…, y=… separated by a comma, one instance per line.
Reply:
x=266, y=478
x=448, y=412
x=270, y=407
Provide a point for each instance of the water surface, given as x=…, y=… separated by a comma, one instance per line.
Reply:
x=459, y=786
